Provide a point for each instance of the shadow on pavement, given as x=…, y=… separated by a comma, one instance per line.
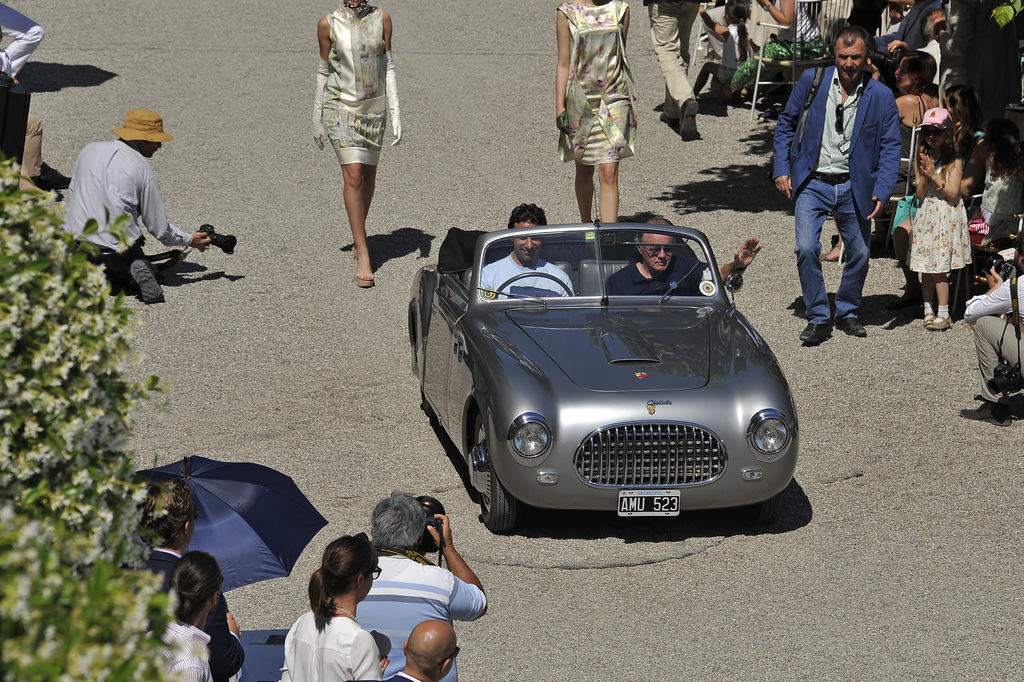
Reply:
x=173, y=276
x=401, y=242
x=730, y=188
x=51, y=77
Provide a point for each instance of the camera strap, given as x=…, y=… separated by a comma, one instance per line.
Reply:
x=408, y=554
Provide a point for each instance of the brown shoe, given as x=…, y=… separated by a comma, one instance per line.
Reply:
x=688, y=120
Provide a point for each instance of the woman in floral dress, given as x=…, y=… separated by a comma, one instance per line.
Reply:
x=595, y=99
x=355, y=83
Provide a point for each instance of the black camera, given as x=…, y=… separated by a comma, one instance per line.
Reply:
x=431, y=506
x=1004, y=268
x=224, y=242
x=1006, y=378
x=887, y=62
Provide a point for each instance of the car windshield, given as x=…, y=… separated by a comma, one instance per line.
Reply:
x=560, y=264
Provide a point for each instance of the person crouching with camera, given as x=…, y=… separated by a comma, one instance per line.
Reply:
x=995, y=317
x=114, y=179
x=410, y=589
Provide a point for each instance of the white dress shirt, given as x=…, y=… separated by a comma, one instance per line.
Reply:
x=112, y=179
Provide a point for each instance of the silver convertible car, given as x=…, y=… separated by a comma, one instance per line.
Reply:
x=570, y=383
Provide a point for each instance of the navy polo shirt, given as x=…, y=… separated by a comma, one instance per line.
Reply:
x=683, y=278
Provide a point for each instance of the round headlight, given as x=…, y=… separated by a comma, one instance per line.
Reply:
x=769, y=433
x=530, y=435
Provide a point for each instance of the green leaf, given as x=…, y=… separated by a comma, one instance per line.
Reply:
x=1003, y=15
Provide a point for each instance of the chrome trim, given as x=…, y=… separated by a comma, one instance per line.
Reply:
x=650, y=455
x=528, y=418
x=759, y=419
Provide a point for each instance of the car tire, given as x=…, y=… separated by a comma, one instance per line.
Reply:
x=499, y=509
x=768, y=512
x=425, y=406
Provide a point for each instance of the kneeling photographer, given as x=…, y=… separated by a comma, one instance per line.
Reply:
x=410, y=589
x=996, y=320
x=113, y=181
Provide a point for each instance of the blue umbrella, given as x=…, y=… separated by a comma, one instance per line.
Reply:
x=255, y=521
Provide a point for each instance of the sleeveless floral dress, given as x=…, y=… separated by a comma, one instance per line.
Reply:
x=601, y=97
x=939, y=236
x=354, y=101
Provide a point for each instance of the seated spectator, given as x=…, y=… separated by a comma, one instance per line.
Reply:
x=430, y=652
x=800, y=29
x=196, y=579
x=908, y=33
x=410, y=589
x=656, y=269
x=735, y=51
x=524, y=259
x=997, y=165
x=996, y=341
x=169, y=517
x=326, y=643
x=964, y=105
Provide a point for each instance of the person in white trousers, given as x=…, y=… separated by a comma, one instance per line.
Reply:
x=26, y=33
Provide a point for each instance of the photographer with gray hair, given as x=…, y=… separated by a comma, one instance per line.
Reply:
x=995, y=317
x=410, y=588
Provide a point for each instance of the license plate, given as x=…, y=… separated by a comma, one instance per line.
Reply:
x=648, y=503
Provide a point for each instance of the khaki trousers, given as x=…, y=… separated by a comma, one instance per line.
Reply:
x=32, y=158
x=989, y=332
x=671, y=23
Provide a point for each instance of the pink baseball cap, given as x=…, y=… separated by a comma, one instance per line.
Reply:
x=937, y=118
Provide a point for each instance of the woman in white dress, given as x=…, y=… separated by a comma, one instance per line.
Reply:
x=326, y=643
x=355, y=83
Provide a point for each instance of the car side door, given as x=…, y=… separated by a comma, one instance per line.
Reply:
x=443, y=344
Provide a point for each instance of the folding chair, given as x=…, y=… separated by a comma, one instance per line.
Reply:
x=906, y=185
x=831, y=17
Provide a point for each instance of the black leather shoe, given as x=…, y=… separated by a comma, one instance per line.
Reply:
x=991, y=413
x=814, y=334
x=851, y=326
x=50, y=179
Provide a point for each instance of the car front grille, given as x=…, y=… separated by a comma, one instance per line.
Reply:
x=650, y=454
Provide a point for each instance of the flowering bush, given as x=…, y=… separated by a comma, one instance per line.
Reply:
x=68, y=508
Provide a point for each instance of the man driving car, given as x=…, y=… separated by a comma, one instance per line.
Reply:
x=524, y=261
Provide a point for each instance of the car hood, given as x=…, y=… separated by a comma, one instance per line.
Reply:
x=656, y=349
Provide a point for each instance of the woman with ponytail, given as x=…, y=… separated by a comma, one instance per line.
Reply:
x=196, y=579
x=326, y=644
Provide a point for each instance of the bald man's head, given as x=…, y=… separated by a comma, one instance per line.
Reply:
x=429, y=647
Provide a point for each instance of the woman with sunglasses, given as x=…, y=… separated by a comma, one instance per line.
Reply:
x=326, y=644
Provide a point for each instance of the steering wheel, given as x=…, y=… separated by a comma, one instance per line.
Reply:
x=545, y=275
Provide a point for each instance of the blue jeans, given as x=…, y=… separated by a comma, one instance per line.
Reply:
x=815, y=201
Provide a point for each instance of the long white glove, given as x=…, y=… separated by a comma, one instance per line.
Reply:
x=323, y=70
x=391, y=88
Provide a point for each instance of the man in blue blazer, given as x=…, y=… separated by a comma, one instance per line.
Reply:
x=841, y=160
x=170, y=536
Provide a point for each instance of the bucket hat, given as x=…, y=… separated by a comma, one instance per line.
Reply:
x=937, y=118
x=143, y=124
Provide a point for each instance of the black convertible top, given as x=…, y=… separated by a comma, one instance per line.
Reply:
x=457, y=249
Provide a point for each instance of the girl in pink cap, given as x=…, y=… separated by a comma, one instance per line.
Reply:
x=940, y=241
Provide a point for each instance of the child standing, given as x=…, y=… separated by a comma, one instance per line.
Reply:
x=734, y=52
x=940, y=241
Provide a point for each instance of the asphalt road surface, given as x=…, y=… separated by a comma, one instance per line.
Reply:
x=897, y=556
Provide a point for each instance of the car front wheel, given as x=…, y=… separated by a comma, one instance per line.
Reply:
x=768, y=512
x=499, y=508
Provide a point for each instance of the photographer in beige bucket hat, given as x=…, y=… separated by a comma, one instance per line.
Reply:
x=112, y=179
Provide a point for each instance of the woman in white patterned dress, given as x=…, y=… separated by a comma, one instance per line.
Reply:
x=595, y=99
x=355, y=83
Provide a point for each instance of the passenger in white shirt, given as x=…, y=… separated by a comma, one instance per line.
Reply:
x=113, y=179
x=995, y=340
x=524, y=260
